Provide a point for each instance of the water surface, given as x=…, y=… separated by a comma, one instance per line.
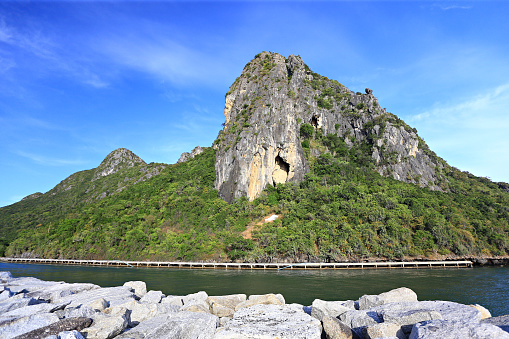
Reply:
x=487, y=286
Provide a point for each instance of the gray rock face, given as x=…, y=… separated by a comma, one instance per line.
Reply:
x=453, y=329
x=144, y=311
x=31, y=310
x=12, y=304
x=108, y=324
x=186, y=156
x=56, y=292
x=116, y=160
x=270, y=321
x=265, y=107
x=267, y=299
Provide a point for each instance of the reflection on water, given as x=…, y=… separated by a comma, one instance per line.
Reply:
x=487, y=286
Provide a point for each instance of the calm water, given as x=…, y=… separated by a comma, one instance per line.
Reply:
x=487, y=286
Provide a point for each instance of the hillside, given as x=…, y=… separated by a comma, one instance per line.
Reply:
x=347, y=179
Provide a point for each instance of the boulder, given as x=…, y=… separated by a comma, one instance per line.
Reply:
x=401, y=294
x=384, y=330
x=54, y=293
x=33, y=309
x=221, y=311
x=70, y=335
x=28, y=284
x=6, y=294
x=5, y=276
x=98, y=305
x=108, y=324
x=454, y=329
x=321, y=308
x=229, y=301
x=270, y=321
x=358, y=320
x=335, y=328
x=12, y=304
x=181, y=325
x=144, y=311
x=26, y=324
x=194, y=297
x=78, y=311
x=266, y=299
x=502, y=322
x=278, y=296
x=152, y=297
x=113, y=295
x=139, y=287
x=173, y=300
x=70, y=324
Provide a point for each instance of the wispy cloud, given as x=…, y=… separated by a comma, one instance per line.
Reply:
x=49, y=161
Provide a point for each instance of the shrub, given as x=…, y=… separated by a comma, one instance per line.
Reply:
x=306, y=130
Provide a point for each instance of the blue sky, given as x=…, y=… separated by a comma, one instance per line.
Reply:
x=79, y=79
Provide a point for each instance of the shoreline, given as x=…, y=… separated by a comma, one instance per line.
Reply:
x=253, y=266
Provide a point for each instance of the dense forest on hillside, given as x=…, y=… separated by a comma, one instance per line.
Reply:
x=343, y=210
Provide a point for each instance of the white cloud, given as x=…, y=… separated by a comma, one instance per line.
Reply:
x=49, y=161
x=470, y=134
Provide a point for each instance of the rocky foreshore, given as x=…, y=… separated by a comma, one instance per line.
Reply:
x=31, y=308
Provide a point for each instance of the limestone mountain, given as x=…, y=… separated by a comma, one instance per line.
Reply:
x=267, y=111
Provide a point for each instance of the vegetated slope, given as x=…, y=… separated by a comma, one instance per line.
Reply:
x=345, y=204
x=120, y=169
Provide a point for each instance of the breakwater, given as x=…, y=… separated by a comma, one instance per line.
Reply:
x=33, y=308
x=252, y=266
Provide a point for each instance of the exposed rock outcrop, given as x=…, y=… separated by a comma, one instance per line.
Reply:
x=186, y=156
x=267, y=105
x=118, y=159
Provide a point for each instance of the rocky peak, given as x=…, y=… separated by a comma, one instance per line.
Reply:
x=32, y=196
x=120, y=158
x=186, y=155
x=271, y=101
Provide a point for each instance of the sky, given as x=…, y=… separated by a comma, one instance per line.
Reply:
x=79, y=79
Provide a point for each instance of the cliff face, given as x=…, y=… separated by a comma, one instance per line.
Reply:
x=265, y=109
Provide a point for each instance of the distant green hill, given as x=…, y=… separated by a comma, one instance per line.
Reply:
x=342, y=203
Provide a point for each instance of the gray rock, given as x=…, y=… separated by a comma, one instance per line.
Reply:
x=502, y=322
x=335, y=328
x=12, y=304
x=229, y=301
x=28, y=284
x=76, y=311
x=70, y=335
x=321, y=308
x=144, y=311
x=152, y=297
x=186, y=156
x=358, y=320
x=56, y=292
x=70, y=324
x=454, y=329
x=181, y=325
x=278, y=296
x=192, y=298
x=33, y=309
x=113, y=295
x=98, y=305
x=140, y=287
x=109, y=324
x=401, y=294
x=173, y=300
x=5, y=276
x=384, y=330
x=23, y=325
x=266, y=299
x=270, y=321
x=6, y=294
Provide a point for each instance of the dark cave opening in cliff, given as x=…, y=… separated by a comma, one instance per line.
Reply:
x=283, y=167
x=314, y=121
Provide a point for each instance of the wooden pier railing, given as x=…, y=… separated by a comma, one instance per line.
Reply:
x=252, y=266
